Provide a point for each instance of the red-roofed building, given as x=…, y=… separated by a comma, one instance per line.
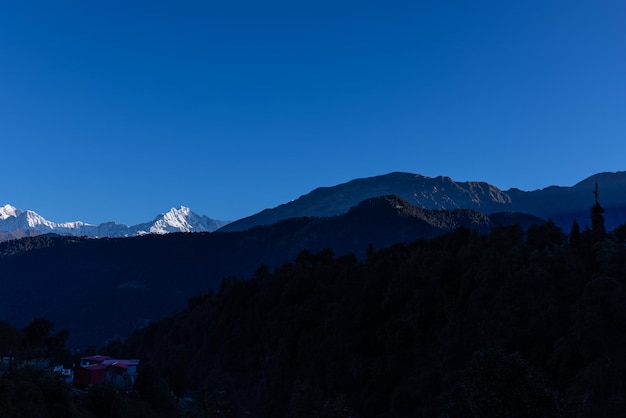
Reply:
x=99, y=369
x=90, y=375
x=97, y=359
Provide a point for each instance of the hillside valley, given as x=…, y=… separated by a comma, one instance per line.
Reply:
x=103, y=289
x=387, y=310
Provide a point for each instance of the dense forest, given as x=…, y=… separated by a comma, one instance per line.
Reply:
x=512, y=323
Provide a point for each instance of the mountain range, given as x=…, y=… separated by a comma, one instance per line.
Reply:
x=122, y=284
x=560, y=204
x=16, y=223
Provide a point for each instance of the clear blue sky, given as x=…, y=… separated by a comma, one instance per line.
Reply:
x=120, y=110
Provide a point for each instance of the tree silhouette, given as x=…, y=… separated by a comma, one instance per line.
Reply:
x=35, y=337
x=597, y=219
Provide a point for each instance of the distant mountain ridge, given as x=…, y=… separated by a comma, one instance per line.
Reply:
x=561, y=204
x=17, y=223
x=152, y=276
x=558, y=203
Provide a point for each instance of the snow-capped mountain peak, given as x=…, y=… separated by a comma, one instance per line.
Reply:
x=8, y=211
x=33, y=220
x=180, y=219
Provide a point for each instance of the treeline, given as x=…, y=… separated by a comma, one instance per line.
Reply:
x=29, y=386
x=35, y=341
x=509, y=324
x=34, y=392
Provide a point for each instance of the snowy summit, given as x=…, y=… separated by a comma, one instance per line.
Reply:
x=181, y=220
x=16, y=222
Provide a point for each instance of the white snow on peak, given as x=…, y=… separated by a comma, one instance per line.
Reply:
x=180, y=219
x=176, y=220
x=33, y=219
x=8, y=211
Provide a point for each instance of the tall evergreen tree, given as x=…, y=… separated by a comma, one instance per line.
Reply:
x=597, y=218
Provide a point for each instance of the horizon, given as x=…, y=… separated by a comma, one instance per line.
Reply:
x=119, y=112
x=245, y=216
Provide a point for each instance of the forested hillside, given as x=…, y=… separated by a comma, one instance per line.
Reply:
x=465, y=325
x=122, y=284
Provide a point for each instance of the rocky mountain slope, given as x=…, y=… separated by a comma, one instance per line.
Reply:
x=561, y=204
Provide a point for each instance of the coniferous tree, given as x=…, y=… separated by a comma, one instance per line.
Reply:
x=597, y=219
x=35, y=337
x=9, y=339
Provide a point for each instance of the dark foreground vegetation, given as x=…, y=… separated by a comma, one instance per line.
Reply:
x=36, y=393
x=507, y=324
x=29, y=386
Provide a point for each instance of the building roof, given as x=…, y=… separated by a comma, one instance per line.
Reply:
x=95, y=367
x=119, y=365
x=99, y=362
x=120, y=362
x=97, y=357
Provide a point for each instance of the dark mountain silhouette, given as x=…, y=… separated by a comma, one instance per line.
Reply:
x=561, y=204
x=104, y=288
